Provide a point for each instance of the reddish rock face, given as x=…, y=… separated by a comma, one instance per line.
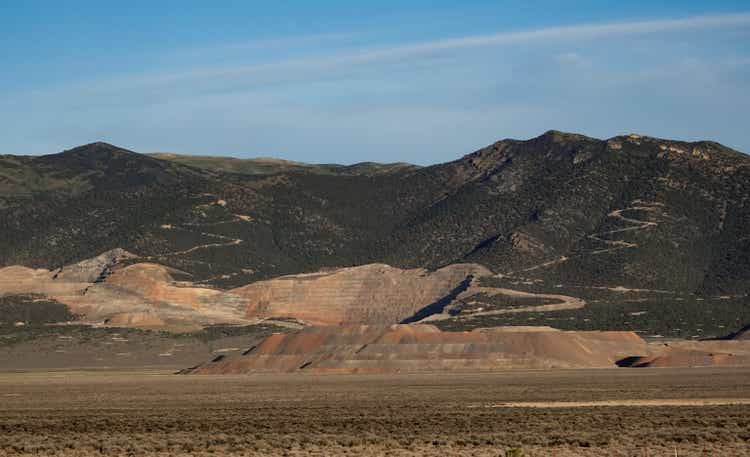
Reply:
x=407, y=348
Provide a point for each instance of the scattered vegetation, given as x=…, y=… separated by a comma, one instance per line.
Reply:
x=32, y=310
x=217, y=332
x=91, y=414
x=12, y=334
x=650, y=313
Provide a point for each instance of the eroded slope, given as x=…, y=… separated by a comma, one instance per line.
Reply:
x=414, y=348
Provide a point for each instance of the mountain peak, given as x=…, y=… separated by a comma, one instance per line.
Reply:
x=93, y=156
x=104, y=166
x=558, y=136
x=97, y=148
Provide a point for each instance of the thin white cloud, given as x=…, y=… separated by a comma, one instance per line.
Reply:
x=582, y=31
x=573, y=32
x=301, y=68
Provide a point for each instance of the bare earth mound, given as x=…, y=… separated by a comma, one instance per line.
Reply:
x=414, y=348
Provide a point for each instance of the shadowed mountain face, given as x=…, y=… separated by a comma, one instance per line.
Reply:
x=558, y=215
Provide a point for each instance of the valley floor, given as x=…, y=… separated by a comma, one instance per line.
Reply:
x=612, y=412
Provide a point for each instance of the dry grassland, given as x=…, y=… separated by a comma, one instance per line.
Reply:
x=156, y=414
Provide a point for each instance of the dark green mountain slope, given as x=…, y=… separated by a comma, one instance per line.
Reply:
x=632, y=211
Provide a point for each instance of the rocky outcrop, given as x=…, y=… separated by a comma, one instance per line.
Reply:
x=96, y=269
x=419, y=348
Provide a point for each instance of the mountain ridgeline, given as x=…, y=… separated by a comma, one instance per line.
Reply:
x=631, y=233
x=631, y=211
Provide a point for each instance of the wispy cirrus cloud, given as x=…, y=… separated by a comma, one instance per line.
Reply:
x=573, y=32
x=302, y=67
x=683, y=77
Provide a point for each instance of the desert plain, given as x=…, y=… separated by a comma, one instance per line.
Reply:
x=536, y=413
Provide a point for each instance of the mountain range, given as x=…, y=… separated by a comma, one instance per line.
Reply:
x=629, y=233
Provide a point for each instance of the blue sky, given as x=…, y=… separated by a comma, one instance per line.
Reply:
x=344, y=81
